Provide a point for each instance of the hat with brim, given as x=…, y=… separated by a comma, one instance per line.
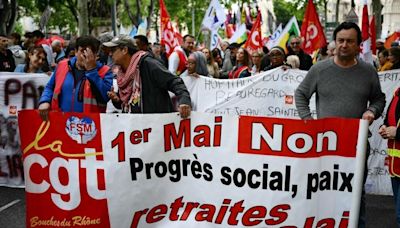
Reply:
x=121, y=40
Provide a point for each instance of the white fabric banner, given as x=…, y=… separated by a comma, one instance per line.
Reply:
x=269, y=93
x=215, y=171
x=272, y=94
x=18, y=91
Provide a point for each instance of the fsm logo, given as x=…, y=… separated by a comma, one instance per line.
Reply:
x=81, y=130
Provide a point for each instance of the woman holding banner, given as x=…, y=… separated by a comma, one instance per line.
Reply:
x=390, y=130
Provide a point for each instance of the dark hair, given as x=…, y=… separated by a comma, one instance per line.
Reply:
x=186, y=36
x=346, y=26
x=142, y=38
x=384, y=52
x=37, y=33
x=32, y=50
x=246, y=60
x=88, y=41
x=395, y=52
x=16, y=36
x=131, y=50
x=28, y=35
x=215, y=52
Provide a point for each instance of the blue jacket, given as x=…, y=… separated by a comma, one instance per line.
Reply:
x=68, y=99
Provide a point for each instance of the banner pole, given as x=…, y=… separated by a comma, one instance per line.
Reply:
x=359, y=172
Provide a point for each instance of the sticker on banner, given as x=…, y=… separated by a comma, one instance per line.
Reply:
x=12, y=110
x=81, y=130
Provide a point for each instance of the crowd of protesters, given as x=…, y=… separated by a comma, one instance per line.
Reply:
x=82, y=70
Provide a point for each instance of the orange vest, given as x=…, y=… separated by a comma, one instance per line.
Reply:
x=393, y=158
x=233, y=74
x=90, y=103
x=182, y=62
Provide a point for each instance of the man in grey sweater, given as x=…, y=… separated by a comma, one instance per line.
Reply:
x=344, y=86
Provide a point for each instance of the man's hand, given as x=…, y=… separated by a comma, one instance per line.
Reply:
x=184, y=110
x=89, y=59
x=113, y=95
x=44, y=111
x=368, y=115
x=387, y=132
x=196, y=75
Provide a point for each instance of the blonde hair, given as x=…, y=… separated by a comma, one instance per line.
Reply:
x=293, y=61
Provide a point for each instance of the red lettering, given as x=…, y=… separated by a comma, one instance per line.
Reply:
x=137, y=216
x=188, y=209
x=254, y=215
x=202, y=139
x=156, y=213
x=136, y=137
x=171, y=134
x=235, y=210
x=279, y=212
x=175, y=208
x=207, y=214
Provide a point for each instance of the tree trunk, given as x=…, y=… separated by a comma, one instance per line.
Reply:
x=150, y=11
x=130, y=14
x=71, y=5
x=377, y=10
x=83, y=17
x=337, y=11
x=325, y=11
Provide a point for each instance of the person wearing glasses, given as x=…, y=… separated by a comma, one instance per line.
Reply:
x=294, y=48
x=276, y=57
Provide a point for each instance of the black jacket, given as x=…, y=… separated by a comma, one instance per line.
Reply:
x=156, y=82
x=305, y=59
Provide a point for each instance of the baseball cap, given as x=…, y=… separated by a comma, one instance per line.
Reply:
x=233, y=46
x=121, y=40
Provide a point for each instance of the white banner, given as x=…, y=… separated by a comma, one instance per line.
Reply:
x=272, y=94
x=219, y=171
x=378, y=181
x=18, y=91
x=269, y=93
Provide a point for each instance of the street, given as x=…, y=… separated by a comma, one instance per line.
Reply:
x=380, y=209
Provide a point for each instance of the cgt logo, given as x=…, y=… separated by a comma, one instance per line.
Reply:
x=81, y=130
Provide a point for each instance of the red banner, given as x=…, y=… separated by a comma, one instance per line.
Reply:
x=254, y=41
x=257, y=135
x=61, y=188
x=311, y=30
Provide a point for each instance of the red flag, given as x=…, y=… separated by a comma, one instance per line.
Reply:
x=365, y=23
x=372, y=33
x=254, y=41
x=168, y=35
x=394, y=37
x=366, y=44
x=311, y=30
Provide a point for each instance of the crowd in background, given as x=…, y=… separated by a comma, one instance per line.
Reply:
x=37, y=54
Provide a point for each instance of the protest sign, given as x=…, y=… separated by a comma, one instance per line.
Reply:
x=18, y=91
x=209, y=170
